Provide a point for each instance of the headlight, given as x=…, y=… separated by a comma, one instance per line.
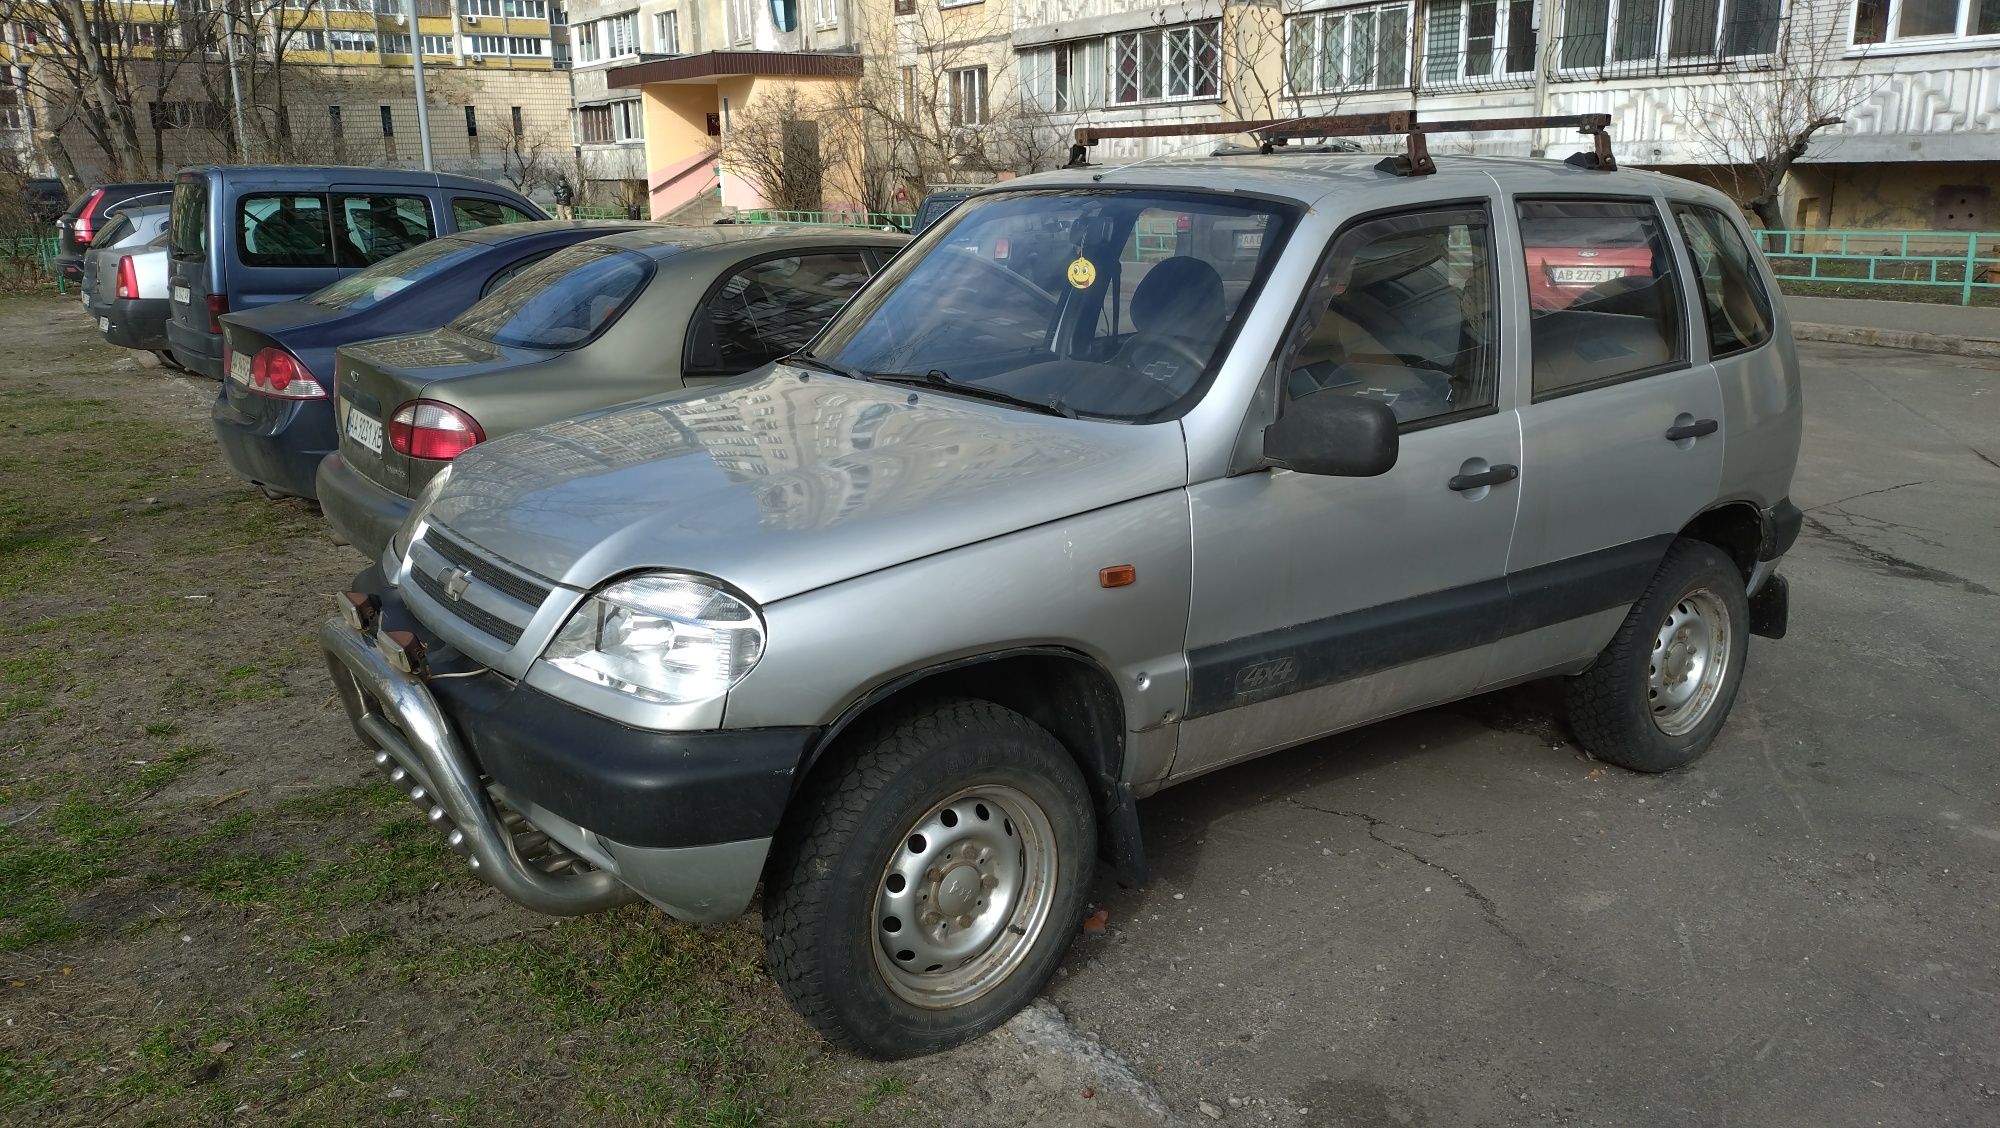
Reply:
x=399, y=545
x=661, y=637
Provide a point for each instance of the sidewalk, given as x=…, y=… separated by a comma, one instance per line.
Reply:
x=1918, y=326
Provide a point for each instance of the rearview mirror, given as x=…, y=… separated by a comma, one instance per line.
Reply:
x=1332, y=433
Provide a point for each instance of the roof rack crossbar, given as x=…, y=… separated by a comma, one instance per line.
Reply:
x=1414, y=161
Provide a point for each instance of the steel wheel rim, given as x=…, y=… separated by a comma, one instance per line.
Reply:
x=1689, y=660
x=964, y=896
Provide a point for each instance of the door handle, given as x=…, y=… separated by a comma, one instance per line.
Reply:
x=1693, y=430
x=1505, y=472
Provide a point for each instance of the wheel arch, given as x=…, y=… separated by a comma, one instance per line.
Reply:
x=1735, y=527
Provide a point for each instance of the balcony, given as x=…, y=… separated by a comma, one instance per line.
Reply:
x=1639, y=50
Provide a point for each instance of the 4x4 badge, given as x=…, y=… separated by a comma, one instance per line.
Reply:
x=455, y=581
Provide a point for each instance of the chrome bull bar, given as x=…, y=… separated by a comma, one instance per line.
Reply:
x=395, y=713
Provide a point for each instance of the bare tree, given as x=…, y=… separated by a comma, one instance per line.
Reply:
x=790, y=144
x=1756, y=129
x=532, y=159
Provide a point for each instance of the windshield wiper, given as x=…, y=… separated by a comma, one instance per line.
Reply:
x=821, y=364
x=937, y=378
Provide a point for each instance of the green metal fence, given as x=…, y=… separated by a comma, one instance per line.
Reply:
x=1942, y=261
x=605, y=213
x=899, y=220
x=41, y=250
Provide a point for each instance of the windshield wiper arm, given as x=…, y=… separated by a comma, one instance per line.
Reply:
x=937, y=378
x=808, y=360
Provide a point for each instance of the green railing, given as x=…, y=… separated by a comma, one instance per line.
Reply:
x=899, y=220
x=605, y=213
x=1939, y=260
x=39, y=249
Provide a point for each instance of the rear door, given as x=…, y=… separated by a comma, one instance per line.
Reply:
x=1622, y=432
x=771, y=307
x=372, y=223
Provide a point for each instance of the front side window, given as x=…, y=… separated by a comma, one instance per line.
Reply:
x=1348, y=48
x=1604, y=304
x=562, y=302
x=385, y=279
x=1163, y=64
x=377, y=227
x=770, y=309
x=468, y=212
x=1111, y=303
x=274, y=229
x=1735, y=306
x=1403, y=312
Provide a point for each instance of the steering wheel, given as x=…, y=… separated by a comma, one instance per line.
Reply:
x=1141, y=352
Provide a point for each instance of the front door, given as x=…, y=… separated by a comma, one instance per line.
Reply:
x=1320, y=603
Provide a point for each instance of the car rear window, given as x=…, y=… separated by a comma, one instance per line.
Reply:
x=561, y=302
x=392, y=275
x=189, y=225
x=111, y=232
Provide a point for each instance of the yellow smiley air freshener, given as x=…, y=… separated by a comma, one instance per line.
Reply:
x=1082, y=272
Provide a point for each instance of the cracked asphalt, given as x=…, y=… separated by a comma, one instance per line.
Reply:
x=1456, y=919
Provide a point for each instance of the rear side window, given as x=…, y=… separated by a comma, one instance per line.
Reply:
x=1734, y=304
x=771, y=309
x=112, y=232
x=365, y=288
x=189, y=225
x=284, y=229
x=469, y=212
x=377, y=227
x=561, y=302
x=1604, y=304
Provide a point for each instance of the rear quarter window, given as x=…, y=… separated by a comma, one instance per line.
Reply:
x=188, y=238
x=562, y=302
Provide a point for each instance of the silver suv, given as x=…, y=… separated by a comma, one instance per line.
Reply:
x=1248, y=450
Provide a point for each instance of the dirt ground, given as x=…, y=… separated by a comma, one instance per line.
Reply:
x=212, y=913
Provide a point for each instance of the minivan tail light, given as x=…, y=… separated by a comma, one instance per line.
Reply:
x=128, y=278
x=437, y=431
x=280, y=375
x=86, y=218
x=218, y=304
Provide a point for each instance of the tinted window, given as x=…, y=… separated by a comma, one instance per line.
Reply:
x=1110, y=302
x=469, y=212
x=377, y=227
x=111, y=232
x=1402, y=312
x=1735, y=307
x=286, y=229
x=189, y=225
x=393, y=275
x=1603, y=300
x=770, y=309
x=561, y=302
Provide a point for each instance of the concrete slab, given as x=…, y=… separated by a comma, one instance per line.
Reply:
x=1918, y=326
x=1457, y=919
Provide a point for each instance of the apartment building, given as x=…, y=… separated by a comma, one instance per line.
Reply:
x=324, y=80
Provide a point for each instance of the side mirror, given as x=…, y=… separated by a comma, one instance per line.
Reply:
x=1333, y=433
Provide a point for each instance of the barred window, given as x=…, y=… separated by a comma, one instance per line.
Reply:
x=1167, y=64
x=1467, y=40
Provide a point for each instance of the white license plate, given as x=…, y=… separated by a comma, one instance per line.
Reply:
x=365, y=429
x=104, y=325
x=1583, y=275
x=239, y=368
x=182, y=296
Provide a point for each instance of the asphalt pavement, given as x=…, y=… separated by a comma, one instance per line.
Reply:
x=1456, y=919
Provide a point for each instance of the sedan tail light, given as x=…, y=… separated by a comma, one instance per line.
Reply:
x=280, y=375
x=437, y=431
x=128, y=278
x=86, y=217
x=218, y=304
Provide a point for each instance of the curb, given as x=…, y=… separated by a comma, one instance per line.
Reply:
x=1908, y=339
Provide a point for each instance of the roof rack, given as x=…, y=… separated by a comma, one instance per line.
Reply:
x=1415, y=160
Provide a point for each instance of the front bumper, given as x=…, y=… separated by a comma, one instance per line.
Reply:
x=362, y=513
x=675, y=801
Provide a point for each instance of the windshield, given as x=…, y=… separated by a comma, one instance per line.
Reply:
x=561, y=302
x=1108, y=303
x=396, y=273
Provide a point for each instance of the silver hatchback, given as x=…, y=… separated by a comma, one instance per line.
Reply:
x=1114, y=478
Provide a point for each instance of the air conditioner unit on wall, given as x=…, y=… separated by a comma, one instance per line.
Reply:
x=475, y=58
x=471, y=21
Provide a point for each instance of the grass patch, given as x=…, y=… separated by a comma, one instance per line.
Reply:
x=166, y=769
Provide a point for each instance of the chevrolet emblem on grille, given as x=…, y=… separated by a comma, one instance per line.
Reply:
x=455, y=581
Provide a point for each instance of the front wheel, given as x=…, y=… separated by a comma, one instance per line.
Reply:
x=1657, y=695
x=925, y=891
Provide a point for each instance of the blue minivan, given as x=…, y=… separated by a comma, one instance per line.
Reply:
x=248, y=236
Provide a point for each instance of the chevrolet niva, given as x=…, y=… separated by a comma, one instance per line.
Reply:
x=901, y=627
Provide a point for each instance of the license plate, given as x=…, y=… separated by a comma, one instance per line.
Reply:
x=104, y=325
x=365, y=429
x=1249, y=240
x=239, y=368
x=182, y=295
x=1583, y=275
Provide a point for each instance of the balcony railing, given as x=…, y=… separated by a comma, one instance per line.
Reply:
x=1636, y=50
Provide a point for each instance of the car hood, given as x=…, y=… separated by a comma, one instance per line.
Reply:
x=787, y=483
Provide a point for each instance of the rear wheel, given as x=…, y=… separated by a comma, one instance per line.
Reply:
x=926, y=890
x=1658, y=694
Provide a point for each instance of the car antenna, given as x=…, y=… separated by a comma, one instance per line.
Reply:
x=1076, y=152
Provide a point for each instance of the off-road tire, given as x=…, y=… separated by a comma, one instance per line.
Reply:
x=1608, y=705
x=821, y=885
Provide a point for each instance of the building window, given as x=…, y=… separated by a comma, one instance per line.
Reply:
x=667, y=32
x=514, y=118
x=618, y=36
x=785, y=14
x=432, y=44
x=968, y=95
x=304, y=39
x=826, y=13
x=508, y=45
x=333, y=122
x=628, y=121
x=1892, y=21
x=1065, y=77
x=525, y=9
x=739, y=20
x=1469, y=40
x=1165, y=64
x=604, y=125
x=186, y=115
x=1637, y=34
x=471, y=122
x=1348, y=49
x=356, y=42
x=585, y=35
x=906, y=86
x=388, y=123
x=906, y=7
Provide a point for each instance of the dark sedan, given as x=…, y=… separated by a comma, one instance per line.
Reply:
x=273, y=415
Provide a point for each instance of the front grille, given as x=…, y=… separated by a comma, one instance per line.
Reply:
x=492, y=574
x=480, y=620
